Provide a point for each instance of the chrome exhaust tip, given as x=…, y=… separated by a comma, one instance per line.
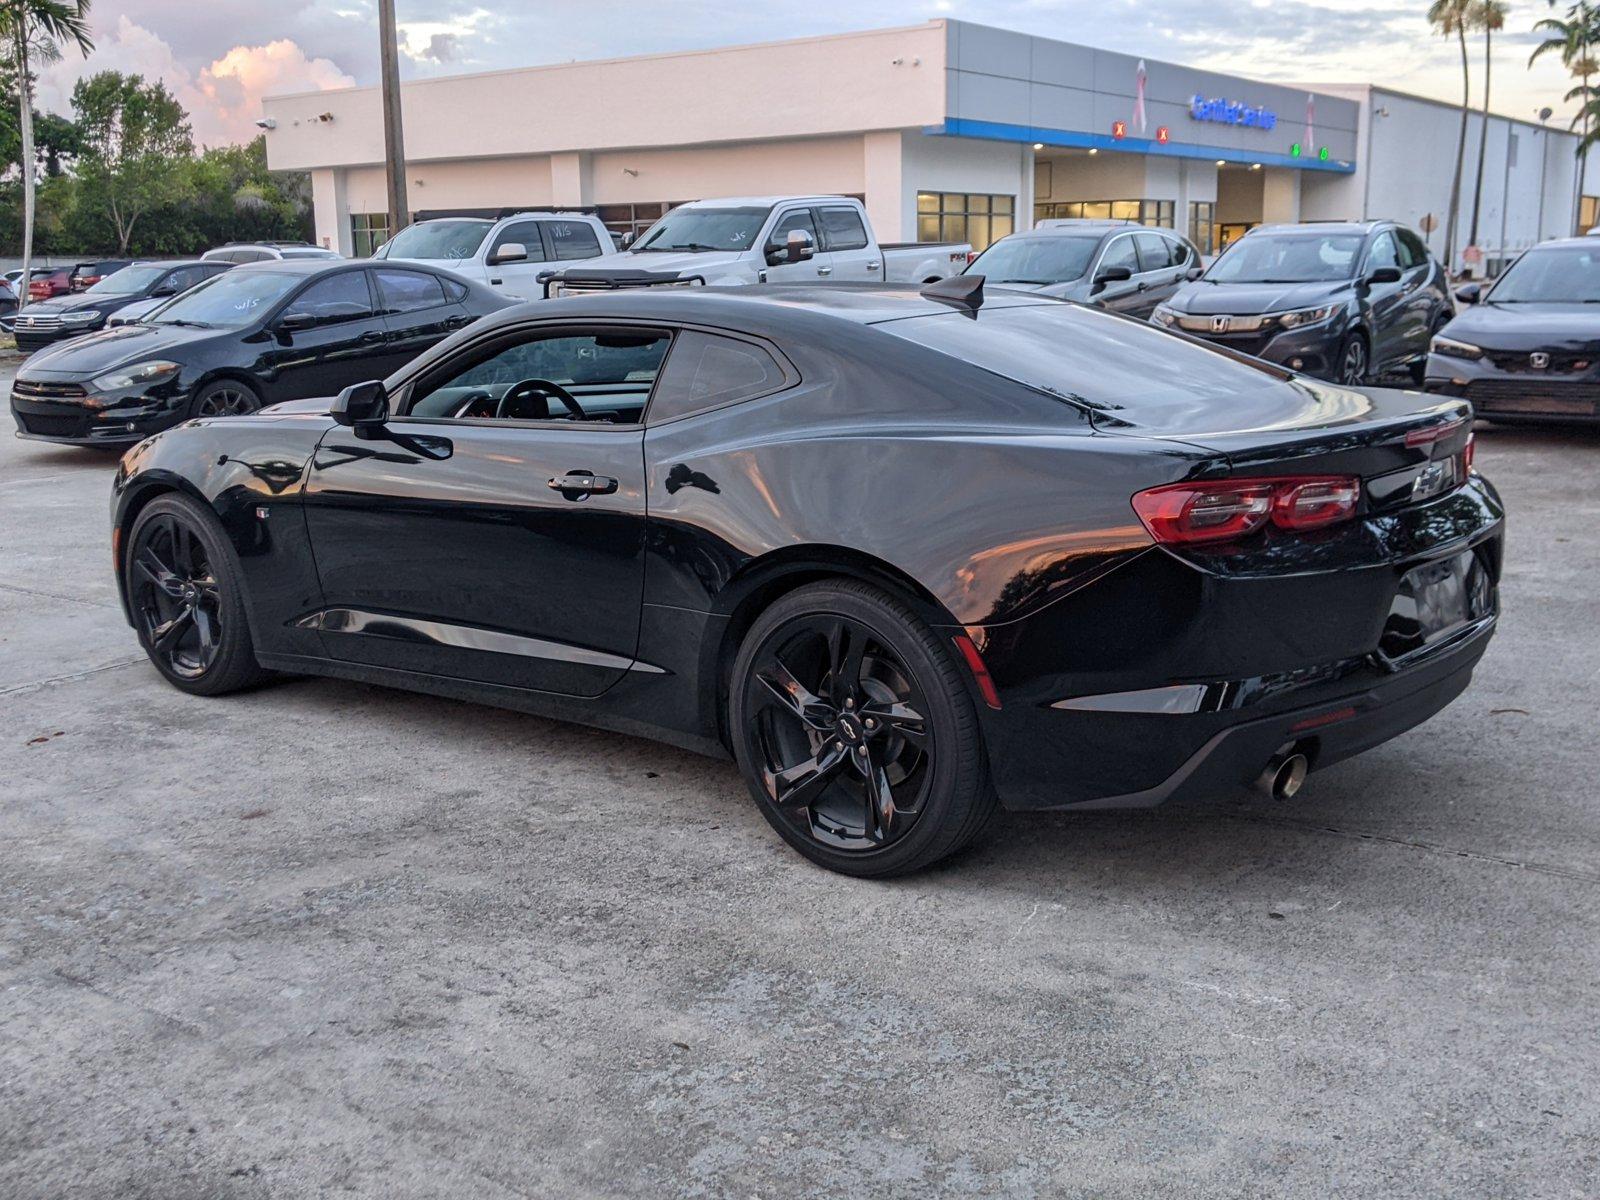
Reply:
x=1284, y=776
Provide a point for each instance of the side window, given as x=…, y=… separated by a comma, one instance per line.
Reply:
x=555, y=375
x=1155, y=252
x=408, y=291
x=1383, y=253
x=572, y=239
x=1119, y=252
x=184, y=279
x=524, y=234
x=844, y=229
x=1180, y=252
x=795, y=218
x=334, y=300
x=246, y=256
x=454, y=290
x=707, y=371
x=1412, y=252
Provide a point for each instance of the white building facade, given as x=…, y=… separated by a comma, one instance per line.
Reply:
x=946, y=130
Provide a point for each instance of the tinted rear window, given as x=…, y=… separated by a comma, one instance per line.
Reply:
x=1109, y=363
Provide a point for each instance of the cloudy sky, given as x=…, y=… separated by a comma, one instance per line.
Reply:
x=221, y=56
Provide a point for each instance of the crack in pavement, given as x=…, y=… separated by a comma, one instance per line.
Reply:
x=26, y=591
x=71, y=677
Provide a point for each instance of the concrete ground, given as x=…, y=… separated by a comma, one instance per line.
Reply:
x=330, y=940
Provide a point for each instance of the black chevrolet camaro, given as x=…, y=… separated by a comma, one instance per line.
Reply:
x=902, y=555
x=250, y=336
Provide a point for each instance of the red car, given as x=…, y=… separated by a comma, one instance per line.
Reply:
x=57, y=283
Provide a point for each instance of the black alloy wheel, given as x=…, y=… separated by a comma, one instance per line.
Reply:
x=856, y=732
x=225, y=398
x=183, y=589
x=1353, y=360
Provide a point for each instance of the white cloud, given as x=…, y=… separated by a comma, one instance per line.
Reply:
x=223, y=99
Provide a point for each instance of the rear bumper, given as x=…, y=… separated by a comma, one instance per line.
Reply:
x=1172, y=680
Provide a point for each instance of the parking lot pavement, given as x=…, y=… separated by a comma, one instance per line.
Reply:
x=326, y=939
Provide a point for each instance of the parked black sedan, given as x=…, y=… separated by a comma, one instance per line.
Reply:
x=1528, y=349
x=898, y=554
x=1343, y=301
x=46, y=322
x=250, y=336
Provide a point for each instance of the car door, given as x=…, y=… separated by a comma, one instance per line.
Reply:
x=1385, y=304
x=818, y=266
x=485, y=533
x=518, y=277
x=1122, y=295
x=326, y=336
x=417, y=311
x=1421, y=300
x=844, y=237
x=1161, y=270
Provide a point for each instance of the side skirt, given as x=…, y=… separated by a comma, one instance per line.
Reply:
x=541, y=704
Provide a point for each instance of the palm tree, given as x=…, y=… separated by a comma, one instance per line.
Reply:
x=1451, y=18
x=1487, y=15
x=33, y=31
x=1574, y=40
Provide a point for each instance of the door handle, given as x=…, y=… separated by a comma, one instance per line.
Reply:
x=456, y=322
x=874, y=265
x=575, y=485
x=371, y=336
x=824, y=270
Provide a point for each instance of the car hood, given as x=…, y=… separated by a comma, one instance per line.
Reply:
x=132, y=312
x=1571, y=327
x=684, y=262
x=1204, y=298
x=1067, y=289
x=120, y=345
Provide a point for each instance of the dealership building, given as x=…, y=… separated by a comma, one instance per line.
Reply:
x=946, y=130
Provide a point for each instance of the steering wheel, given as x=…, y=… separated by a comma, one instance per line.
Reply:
x=529, y=400
x=477, y=404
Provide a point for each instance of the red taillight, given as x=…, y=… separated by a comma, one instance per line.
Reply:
x=980, y=672
x=1429, y=434
x=1226, y=509
x=972, y=256
x=1470, y=453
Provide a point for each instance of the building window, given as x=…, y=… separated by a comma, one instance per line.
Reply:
x=964, y=217
x=1145, y=212
x=1588, y=213
x=1202, y=228
x=622, y=219
x=368, y=231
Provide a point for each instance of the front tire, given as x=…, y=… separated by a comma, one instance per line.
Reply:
x=187, y=598
x=856, y=733
x=225, y=398
x=1354, y=359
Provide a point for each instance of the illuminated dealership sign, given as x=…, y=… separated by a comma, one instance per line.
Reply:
x=1231, y=112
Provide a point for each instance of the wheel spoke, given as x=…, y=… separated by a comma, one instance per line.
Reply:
x=799, y=785
x=880, y=799
x=165, y=637
x=846, y=648
x=207, y=590
x=206, y=627
x=795, y=698
x=148, y=564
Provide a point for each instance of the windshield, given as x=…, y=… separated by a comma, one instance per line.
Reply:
x=1288, y=258
x=227, y=301
x=1564, y=275
x=126, y=281
x=704, y=229
x=437, y=239
x=1052, y=259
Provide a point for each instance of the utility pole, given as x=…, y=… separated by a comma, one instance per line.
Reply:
x=394, y=145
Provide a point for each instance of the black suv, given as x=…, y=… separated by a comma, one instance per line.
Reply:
x=1346, y=301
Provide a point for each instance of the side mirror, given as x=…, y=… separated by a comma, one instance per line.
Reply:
x=1384, y=275
x=628, y=238
x=797, y=247
x=1107, y=275
x=292, y=322
x=1469, y=293
x=509, y=252
x=361, y=405
x=1194, y=273
x=166, y=289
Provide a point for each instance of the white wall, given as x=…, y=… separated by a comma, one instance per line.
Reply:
x=934, y=163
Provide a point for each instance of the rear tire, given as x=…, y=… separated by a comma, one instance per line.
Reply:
x=856, y=732
x=186, y=595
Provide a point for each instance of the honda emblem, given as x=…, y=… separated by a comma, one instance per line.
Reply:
x=1219, y=324
x=1538, y=360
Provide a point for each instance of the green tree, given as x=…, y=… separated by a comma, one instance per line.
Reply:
x=33, y=31
x=1451, y=18
x=1573, y=41
x=1489, y=16
x=136, y=149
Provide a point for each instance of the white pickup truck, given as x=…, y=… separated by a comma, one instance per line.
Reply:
x=509, y=254
x=761, y=239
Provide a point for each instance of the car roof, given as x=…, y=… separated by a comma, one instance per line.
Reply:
x=762, y=201
x=1586, y=242
x=760, y=308
x=1362, y=227
x=307, y=266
